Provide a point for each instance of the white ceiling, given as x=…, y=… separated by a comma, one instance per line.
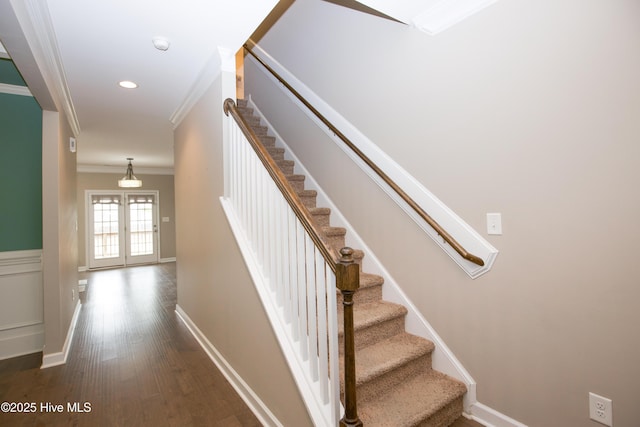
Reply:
x=96, y=44
x=73, y=53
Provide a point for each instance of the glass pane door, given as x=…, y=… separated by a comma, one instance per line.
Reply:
x=142, y=228
x=106, y=230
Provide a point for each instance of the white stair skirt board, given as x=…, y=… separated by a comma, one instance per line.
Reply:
x=280, y=329
x=21, y=302
x=443, y=358
x=259, y=409
x=60, y=358
x=490, y=417
x=449, y=220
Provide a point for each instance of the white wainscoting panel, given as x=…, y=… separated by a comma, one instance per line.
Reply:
x=21, y=303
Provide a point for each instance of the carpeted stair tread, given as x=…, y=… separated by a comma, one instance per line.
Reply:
x=414, y=402
x=387, y=355
x=367, y=280
x=367, y=315
x=276, y=153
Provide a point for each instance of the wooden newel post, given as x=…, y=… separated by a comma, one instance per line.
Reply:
x=348, y=281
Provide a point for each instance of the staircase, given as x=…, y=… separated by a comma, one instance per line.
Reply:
x=396, y=385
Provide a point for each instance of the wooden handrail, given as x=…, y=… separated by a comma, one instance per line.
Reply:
x=391, y=183
x=346, y=270
x=328, y=252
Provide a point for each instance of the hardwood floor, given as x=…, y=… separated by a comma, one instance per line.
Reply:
x=132, y=362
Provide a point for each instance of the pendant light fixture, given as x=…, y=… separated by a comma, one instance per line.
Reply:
x=129, y=180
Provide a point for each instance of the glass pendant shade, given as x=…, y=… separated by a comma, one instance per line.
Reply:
x=129, y=180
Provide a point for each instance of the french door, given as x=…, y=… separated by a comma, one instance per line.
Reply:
x=122, y=228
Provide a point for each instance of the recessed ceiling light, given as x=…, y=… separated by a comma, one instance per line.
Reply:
x=128, y=84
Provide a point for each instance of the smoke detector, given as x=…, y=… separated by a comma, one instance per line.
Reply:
x=160, y=43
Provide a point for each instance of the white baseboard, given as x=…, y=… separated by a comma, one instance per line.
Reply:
x=60, y=358
x=259, y=409
x=21, y=341
x=490, y=417
x=164, y=260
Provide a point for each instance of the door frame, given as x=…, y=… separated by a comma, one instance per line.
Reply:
x=125, y=217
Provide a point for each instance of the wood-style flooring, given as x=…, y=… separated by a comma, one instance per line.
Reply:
x=132, y=361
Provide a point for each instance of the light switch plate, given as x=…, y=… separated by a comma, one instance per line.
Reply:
x=494, y=223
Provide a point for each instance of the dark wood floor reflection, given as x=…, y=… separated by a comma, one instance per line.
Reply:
x=132, y=361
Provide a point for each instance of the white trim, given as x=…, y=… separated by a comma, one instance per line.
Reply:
x=21, y=299
x=82, y=268
x=449, y=220
x=257, y=406
x=15, y=90
x=165, y=260
x=18, y=342
x=18, y=262
x=60, y=358
x=490, y=417
x=82, y=168
x=46, y=52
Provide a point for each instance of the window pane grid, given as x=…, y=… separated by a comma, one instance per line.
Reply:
x=141, y=228
x=105, y=234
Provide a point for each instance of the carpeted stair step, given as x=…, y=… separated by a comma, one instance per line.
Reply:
x=308, y=198
x=296, y=181
x=267, y=141
x=321, y=216
x=430, y=399
x=260, y=130
x=382, y=366
x=335, y=236
x=252, y=121
x=286, y=166
x=370, y=289
x=373, y=322
x=276, y=153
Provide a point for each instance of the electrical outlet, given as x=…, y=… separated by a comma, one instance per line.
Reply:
x=601, y=409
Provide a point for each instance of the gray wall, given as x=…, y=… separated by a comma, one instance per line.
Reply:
x=529, y=109
x=214, y=286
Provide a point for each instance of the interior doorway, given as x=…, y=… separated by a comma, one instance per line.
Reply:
x=122, y=228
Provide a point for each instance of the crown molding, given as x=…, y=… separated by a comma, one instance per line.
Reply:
x=207, y=76
x=120, y=170
x=15, y=90
x=36, y=24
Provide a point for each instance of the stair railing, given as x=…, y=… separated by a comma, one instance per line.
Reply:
x=391, y=183
x=302, y=270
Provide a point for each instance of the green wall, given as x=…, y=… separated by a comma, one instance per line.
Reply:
x=20, y=173
x=9, y=74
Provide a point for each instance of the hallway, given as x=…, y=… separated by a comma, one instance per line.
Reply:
x=132, y=363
